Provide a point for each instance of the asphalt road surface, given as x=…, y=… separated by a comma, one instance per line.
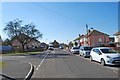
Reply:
x=62, y=64
x=14, y=68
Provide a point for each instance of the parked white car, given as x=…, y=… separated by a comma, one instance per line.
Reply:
x=85, y=51
x=75, y=50
x=104, y=55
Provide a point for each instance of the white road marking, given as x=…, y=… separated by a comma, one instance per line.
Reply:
x=41, y=61
x=31, y=68
x=44, y=54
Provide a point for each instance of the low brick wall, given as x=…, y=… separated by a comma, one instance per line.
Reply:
x=115, y=48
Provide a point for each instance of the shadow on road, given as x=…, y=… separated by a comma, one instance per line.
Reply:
x=4, y=77
x=60, y=55
x=116, y=66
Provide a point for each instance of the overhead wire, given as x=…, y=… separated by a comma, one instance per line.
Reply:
x=71, y=19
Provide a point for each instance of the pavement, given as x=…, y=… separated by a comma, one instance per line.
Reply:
x=14, y=68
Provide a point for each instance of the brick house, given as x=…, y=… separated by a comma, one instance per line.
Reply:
x=117, y=38
x=78, y=39
x=94, y=38
x=55, y=44
x=33, y=43
x=43, y=46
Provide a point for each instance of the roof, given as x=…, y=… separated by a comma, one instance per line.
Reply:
x=87, y=35
x=117, y=33
x=23, y=35
x=78, y=38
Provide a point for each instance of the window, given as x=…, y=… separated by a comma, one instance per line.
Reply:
x=100, y=39
x=97, y=51
x=108, y=51
x=94, y=50
x=87, y=48
x=75, y=47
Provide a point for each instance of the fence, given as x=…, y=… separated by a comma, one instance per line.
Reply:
x=5, y=48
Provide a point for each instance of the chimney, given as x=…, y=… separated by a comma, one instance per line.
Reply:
x=89, y=31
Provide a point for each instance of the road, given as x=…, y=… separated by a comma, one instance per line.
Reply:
x=62, y=64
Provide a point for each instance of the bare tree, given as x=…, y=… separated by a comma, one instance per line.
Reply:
x=24, y=34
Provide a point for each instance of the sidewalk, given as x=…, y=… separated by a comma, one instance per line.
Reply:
x=15, y=69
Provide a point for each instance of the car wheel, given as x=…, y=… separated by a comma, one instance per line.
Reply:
x=84, y=56
x=103, y=62
x=91, y=58
x=71, y=52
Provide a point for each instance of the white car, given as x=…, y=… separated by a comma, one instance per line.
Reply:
x=85, y=51
x=105, y=55
x=75, y=50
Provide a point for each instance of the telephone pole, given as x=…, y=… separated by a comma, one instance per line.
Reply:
x=87, y=33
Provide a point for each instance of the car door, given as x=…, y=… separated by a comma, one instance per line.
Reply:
x=80, y=51
x=93, y=54
x=97, y=56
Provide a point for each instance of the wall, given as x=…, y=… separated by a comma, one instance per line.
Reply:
x=94, y=39
x=5, y=48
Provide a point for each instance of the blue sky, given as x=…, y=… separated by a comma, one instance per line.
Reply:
x=63, y=21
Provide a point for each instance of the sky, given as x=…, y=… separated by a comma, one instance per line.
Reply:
x=62, y=21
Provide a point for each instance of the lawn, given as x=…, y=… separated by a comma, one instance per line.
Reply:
x=20, y=53
x=2, y=64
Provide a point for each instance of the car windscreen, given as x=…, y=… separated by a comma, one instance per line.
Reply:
x=88, y=48
x=75, y=47
x=107, y=51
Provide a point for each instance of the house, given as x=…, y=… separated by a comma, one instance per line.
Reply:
x=112, y=39
x=55, y=44
x=94, y=38
x=32, y=44
x=43, y=46
x=78, y=39
x=117, y=38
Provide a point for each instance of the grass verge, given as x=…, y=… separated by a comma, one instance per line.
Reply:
x=2, y=64
x=20, y=53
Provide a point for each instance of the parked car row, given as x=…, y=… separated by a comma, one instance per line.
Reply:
x=82, y=51
x=103, y=55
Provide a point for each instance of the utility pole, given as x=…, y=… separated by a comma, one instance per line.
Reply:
x=87, y=33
